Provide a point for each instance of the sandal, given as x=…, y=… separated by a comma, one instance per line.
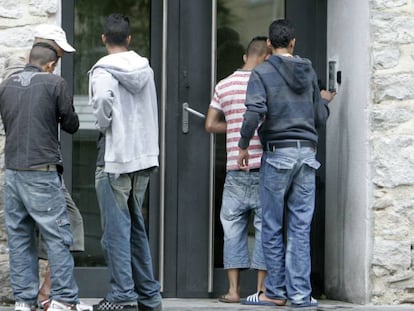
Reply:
x=255, y=300
x=44, y=304
x=223, y=298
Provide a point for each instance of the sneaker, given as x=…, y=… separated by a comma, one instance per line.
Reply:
x=311, y=302
x=60, y=306
x=105, y=305
x=83, y=307
x=23, y=306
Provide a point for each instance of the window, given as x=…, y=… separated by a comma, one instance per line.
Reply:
x=89, y=19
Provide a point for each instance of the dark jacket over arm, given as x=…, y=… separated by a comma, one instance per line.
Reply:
x=32, y=104
x=283, y=91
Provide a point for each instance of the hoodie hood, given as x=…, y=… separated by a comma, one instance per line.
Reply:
x=130, y=69
x=296, y=71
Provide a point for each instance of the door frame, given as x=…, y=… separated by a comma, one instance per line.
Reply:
x=88, y=277
x=186, y=229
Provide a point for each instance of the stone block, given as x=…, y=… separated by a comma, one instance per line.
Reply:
x=20, y=37
x=393, y=161
x=385, y=58
x=43, y=7
x=405, y=281
x=382, y=203
x=385, y=4
x=10, y=9
x=5, y=289
x=391, y=224
x=392, y=254
x=396, y=86
x=389, y=28
x=391, y=116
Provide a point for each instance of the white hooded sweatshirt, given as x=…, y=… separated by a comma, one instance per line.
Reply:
x=122, y=93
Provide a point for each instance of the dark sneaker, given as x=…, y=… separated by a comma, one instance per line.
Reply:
x=311, y=302
x=105, y=305
x=142, y=307
x=22, y=306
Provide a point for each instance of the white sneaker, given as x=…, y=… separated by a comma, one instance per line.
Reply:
x=83, y=307
x=59, y=306
x=23, y=306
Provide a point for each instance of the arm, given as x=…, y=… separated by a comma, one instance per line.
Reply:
x=103, y=98
x=215, y=122
x=67, y=116
x=256, y=109
x=321, y=100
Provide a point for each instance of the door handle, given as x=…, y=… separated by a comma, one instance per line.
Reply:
x=186, y=117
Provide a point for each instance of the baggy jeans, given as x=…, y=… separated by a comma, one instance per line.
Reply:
x=124, y=240
x=31, y=199
x=288, y=185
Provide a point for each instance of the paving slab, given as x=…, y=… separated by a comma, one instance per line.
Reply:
x=175, y=304
x=324, y=305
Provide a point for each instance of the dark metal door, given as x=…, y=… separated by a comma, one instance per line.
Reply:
x=187, y=149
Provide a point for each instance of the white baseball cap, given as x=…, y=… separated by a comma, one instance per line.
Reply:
x=55, y=33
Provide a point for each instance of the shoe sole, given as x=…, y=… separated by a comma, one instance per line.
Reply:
x=124, y=308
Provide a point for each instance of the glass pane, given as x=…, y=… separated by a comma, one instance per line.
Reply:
x=238, y=21
x=89, y=17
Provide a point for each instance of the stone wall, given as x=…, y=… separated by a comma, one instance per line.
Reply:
x=392, y=148
x=391, y=141
x=17, y=21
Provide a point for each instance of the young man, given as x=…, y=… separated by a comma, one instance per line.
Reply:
x=47, y=34
x=241, y=188
x=33, y=194
x=284, y=93
x=78, y=245
x=122, y=92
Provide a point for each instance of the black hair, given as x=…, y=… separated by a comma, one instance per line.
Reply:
x=42, y=53
x=281, y=32
x=116, y=29
x=257, y=46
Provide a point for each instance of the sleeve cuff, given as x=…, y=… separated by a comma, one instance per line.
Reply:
x=244, y=143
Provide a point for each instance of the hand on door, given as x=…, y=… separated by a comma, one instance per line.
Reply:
x=243, y=160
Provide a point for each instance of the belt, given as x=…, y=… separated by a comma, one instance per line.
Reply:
x=273, y=145
x=250, y=170
x=42, y=168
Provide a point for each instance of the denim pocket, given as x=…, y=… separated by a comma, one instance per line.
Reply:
x=312, y=163
x=309, y=167
x=281, y=163
x=277, y=172
x=65, y=231
x=43, y=191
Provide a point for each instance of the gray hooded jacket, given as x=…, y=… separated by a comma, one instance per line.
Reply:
x=284, y=92
x=122, y=93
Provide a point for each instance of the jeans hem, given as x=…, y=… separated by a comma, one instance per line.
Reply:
x=258, y=267
x=237, y=266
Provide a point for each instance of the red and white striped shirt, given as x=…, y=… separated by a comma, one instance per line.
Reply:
x=229, y=97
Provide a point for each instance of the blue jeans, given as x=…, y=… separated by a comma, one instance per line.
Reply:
x=240, y=197
x=288, y=185
x=33, y=199
x=124, y=240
